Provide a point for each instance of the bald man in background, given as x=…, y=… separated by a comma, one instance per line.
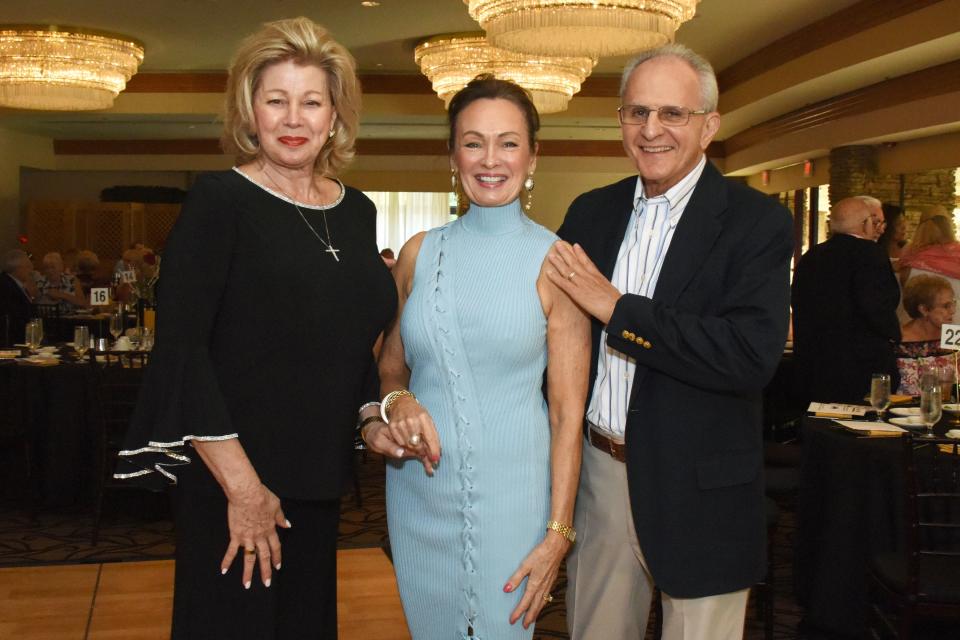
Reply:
x=844, y=300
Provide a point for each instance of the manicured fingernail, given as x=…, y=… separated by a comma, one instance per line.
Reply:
x=435, y=459
x=507, y=588
x=223, y=571
x=246, y=585
x=399, y=452
x=277, y=567
x=288, y=523
x=266, y=583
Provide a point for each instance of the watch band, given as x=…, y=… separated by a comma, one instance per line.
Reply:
x=564, y=530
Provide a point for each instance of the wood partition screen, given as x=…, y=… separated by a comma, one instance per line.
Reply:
x=106, y=228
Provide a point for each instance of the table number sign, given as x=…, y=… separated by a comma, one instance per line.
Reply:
x=950, y=337
x=128, y=276
x=99, y=296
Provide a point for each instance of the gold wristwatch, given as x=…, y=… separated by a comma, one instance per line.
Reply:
x=566, y=531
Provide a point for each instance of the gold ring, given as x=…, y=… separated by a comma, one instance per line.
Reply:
x=250, y=552
x=414, y=440
x=547, y=597
x=572, y=273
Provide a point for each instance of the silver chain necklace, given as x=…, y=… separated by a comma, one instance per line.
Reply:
x=328, y=243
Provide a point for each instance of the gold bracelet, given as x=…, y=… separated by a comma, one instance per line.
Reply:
x=365, y=424
x=564, y=530
x=392, y=397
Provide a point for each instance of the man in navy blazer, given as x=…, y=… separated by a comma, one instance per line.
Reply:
x=686, y=275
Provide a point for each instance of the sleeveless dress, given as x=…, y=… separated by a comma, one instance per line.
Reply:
x=474, y=333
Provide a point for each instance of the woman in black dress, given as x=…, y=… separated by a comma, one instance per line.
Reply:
x=272, y=298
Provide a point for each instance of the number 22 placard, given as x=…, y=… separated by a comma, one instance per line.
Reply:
x=950, y=336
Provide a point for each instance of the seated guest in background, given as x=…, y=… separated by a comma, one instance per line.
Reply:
x=129, y=259
x=54, y=286
x=844, y=300
x=17, y=292
x=87, y=265
x=930, y=303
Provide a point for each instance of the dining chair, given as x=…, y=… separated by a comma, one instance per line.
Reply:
x=52, y=325
x=117, y=377
x=922, y=579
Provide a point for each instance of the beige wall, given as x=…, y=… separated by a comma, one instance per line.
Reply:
x=558, y=180
x=18, y=150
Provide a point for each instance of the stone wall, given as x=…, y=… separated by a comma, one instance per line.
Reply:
x=853, y=171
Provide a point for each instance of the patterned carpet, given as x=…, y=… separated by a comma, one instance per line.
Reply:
x=137, y=526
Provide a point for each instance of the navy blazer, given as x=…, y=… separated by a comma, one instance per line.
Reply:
x=705, y=345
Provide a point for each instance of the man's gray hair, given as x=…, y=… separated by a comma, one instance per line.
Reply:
x=870, y=201
x=709, y=93
x=12, y=260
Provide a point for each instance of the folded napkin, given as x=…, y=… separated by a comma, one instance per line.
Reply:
x=871, y=429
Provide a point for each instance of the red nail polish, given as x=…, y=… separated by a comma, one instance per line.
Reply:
x=507, y=588
x=435, y=459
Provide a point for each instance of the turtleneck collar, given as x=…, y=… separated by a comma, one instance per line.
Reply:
x=494, y=220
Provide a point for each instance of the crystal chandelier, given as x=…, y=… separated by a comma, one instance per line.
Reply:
x=592, y=28
x=62, y=68
x=451, y=61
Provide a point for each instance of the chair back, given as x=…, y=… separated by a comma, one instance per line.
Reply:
x=52, y=325
x=932, y=501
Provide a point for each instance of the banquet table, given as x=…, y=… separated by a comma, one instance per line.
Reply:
x=56, y=404
x=851, y=506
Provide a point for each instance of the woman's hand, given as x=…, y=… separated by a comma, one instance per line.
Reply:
x=540, y=568
x=411, y=428
x=253, y=517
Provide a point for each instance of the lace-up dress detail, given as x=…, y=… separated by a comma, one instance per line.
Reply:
x=474, y=334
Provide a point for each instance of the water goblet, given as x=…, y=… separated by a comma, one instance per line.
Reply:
x=931, y=401
x=880, y=393
x=116, y=325
x=81, y=340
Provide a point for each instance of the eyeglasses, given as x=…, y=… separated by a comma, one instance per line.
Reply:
x=668, y=116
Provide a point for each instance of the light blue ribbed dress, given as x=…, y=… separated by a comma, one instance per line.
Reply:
x=474, y=333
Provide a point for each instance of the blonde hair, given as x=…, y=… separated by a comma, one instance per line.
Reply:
x=935, y=227
x=306, y=43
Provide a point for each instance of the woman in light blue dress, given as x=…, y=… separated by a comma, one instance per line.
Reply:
x=484, y=469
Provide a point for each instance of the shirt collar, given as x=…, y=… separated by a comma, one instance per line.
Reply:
x=676, y=195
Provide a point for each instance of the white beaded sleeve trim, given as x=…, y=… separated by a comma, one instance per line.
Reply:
x=165, y=448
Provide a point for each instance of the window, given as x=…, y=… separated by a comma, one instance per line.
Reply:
x=401, y=215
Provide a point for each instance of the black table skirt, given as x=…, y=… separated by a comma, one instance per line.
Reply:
x=850, y=507
x=56, y=405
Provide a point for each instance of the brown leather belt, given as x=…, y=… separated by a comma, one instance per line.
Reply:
x=616, y=450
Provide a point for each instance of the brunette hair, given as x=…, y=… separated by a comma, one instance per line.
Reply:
x=487, y=87
x=306, y=43
x=923, y=290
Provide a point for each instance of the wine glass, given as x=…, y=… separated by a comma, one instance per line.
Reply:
x=81, y=340
x=880, y=393
x=116, y=325
x=931, y=402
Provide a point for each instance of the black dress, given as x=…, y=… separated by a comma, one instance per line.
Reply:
x=264, y=336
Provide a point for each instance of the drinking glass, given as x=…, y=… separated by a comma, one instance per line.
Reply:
x=880, y=393
x=116, y=325
x=146, y=340
x=81, y=340
x=33, y=334
x=931, y=402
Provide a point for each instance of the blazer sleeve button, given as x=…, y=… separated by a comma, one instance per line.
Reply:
x=625, y=334
x=647, y=345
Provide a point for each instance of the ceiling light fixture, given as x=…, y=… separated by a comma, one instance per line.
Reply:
x=451, y=61
x=592, y=28
x=62, y=68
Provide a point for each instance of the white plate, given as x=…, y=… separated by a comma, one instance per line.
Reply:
x=909, y=421
x=905, y=411
x=953, y=433
x=952, y=408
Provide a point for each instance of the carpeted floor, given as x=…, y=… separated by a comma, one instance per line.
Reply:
x=136, y=526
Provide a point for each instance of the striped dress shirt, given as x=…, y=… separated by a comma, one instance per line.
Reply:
x=637, y=270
